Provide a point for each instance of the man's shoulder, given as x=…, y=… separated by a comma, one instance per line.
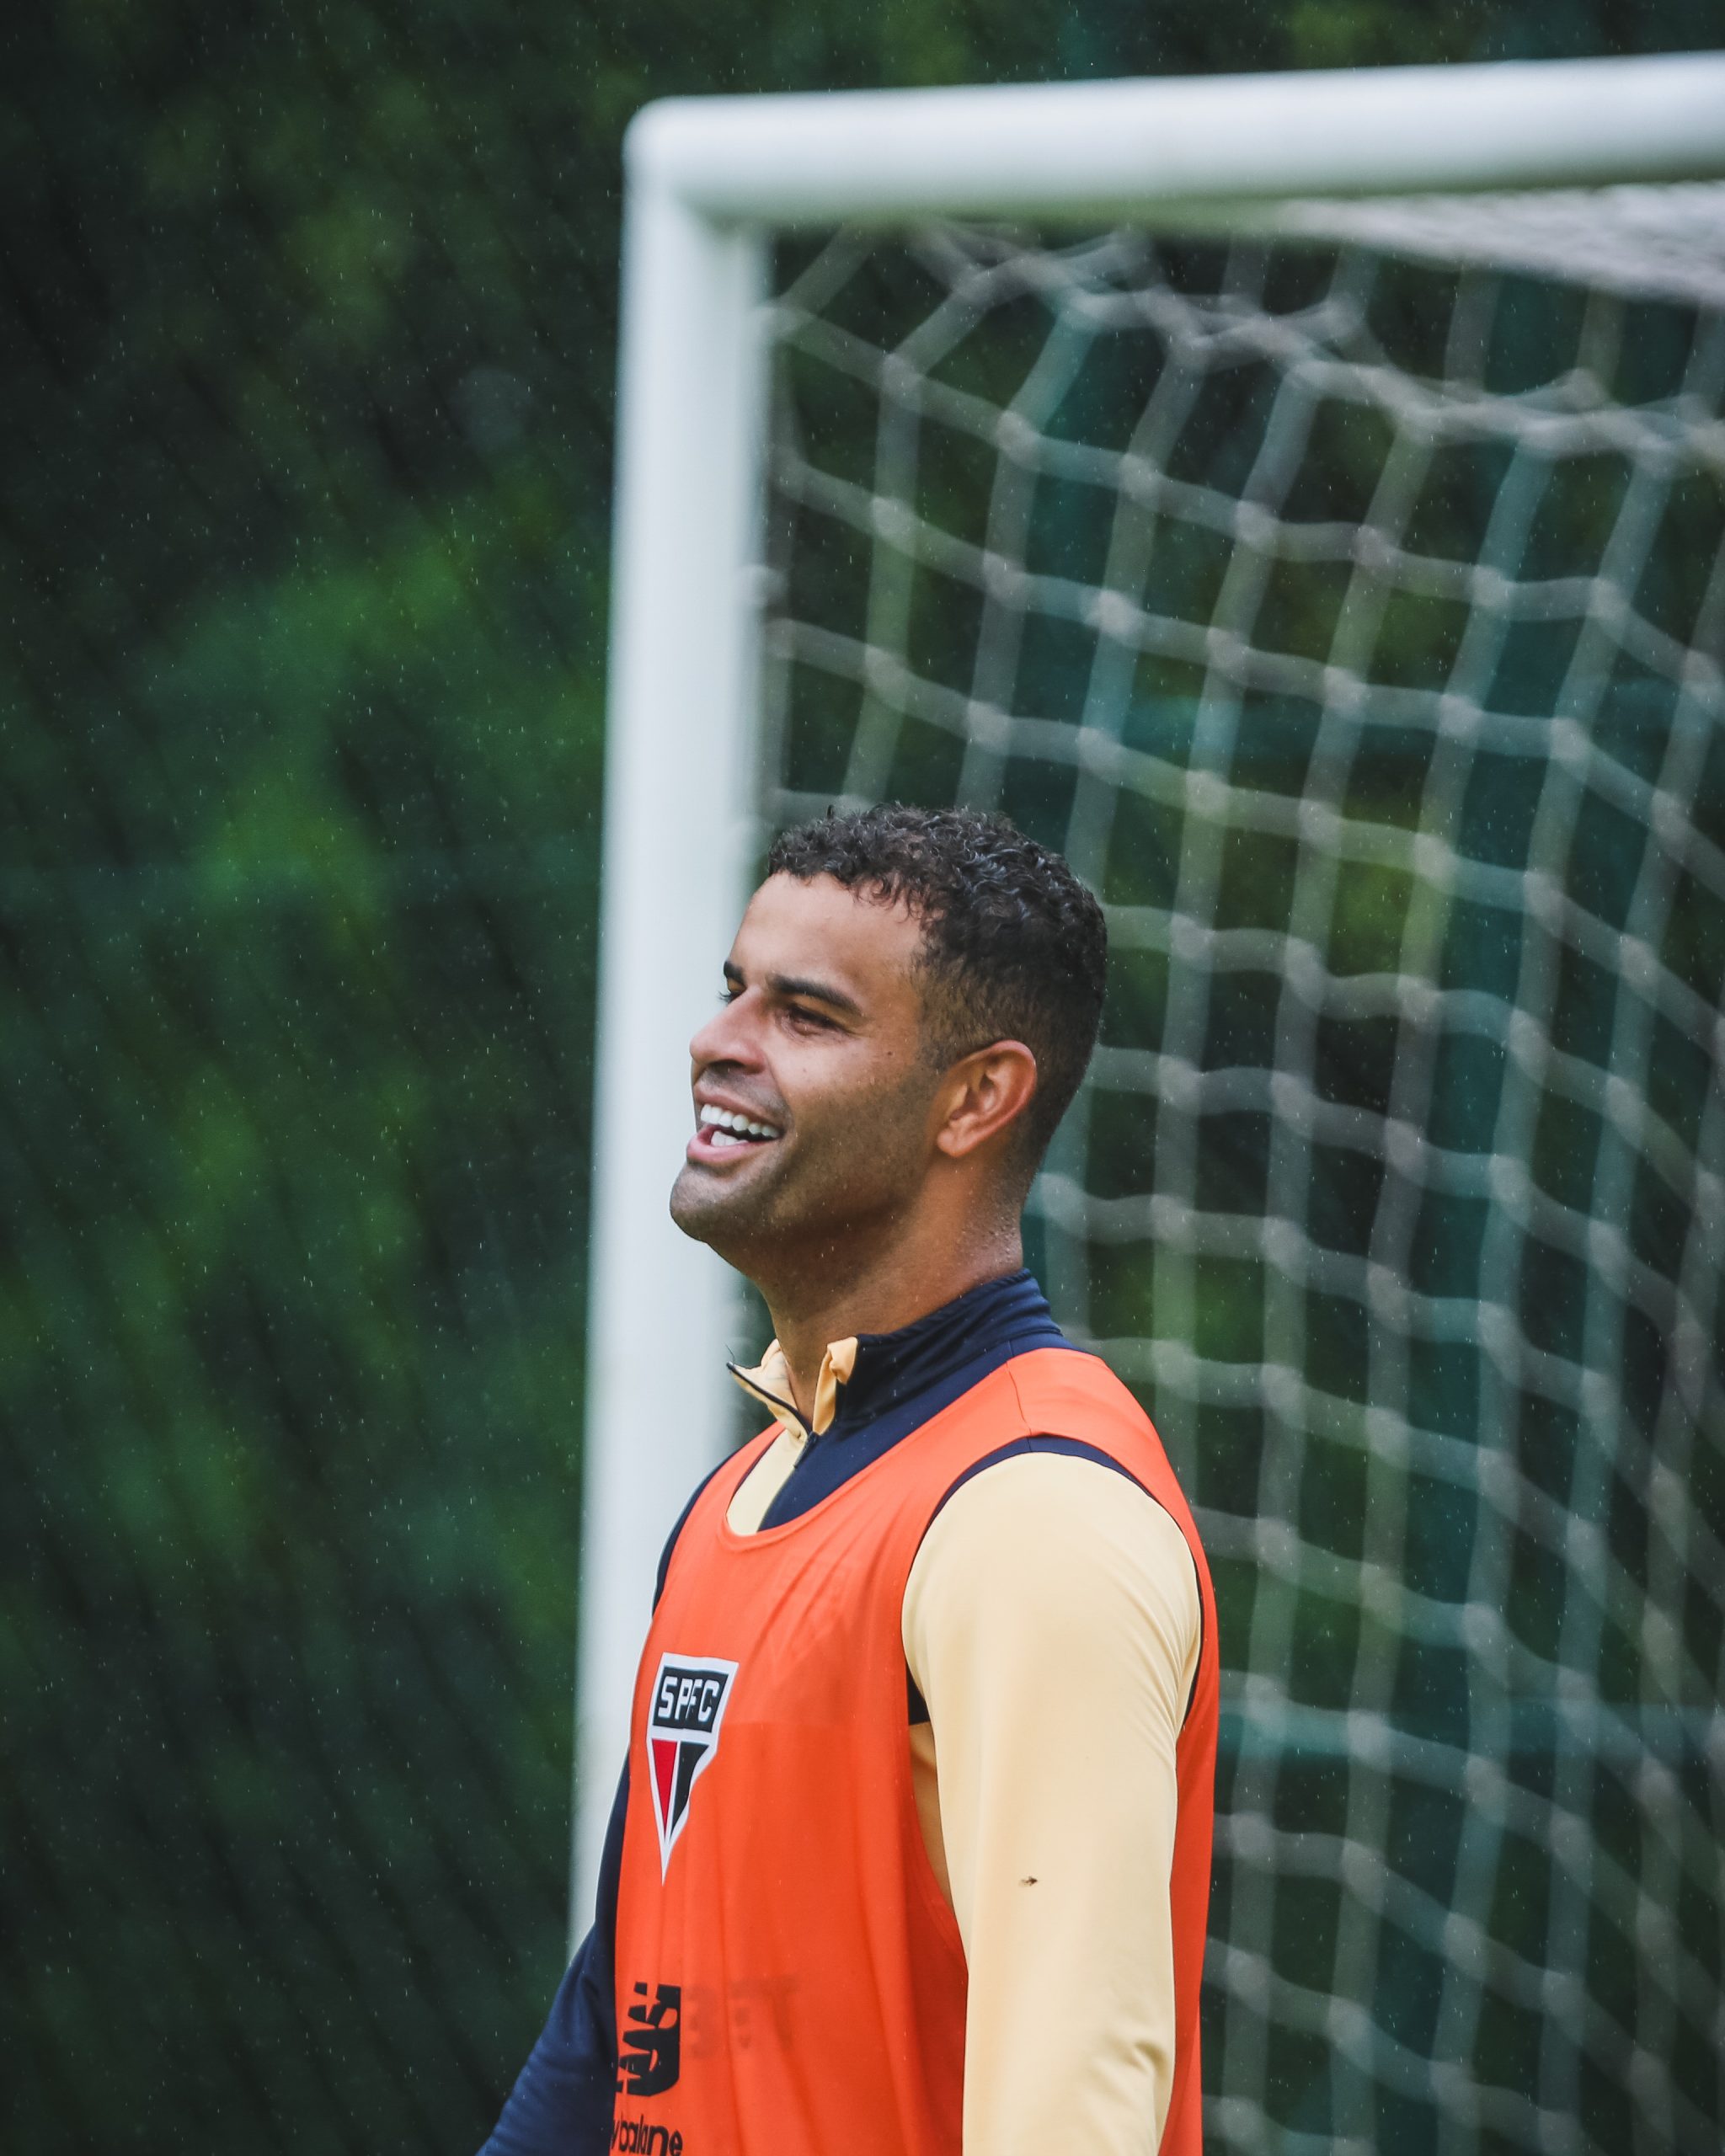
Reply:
x=1049, y=1563
x=1054, y=1525
x=1071, y=1391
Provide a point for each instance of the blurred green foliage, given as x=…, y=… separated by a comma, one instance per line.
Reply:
x=303, y=520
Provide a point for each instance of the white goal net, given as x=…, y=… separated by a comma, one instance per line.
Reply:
x=1350, y=609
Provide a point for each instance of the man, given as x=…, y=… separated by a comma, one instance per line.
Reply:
x=912, y=1850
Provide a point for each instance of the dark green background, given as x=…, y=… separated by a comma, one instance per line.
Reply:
x=308, y=379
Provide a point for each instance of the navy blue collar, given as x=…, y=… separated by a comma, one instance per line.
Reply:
x=899, y=1381
x=892, y=1369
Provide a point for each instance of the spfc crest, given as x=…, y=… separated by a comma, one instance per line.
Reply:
x=683, y=1717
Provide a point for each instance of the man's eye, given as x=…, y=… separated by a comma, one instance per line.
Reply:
x=799, y=1014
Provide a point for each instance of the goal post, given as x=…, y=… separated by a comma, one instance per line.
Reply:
x=711, y=184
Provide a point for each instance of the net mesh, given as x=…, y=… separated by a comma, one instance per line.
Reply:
x=1353, y=621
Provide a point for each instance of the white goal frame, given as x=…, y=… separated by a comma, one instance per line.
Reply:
x=709, y=180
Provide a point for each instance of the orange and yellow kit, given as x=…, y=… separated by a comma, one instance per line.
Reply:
x=789, y=1975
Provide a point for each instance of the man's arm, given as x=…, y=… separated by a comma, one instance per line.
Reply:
x=563, y=2097
x=1052, y=1625
x=561, y=2104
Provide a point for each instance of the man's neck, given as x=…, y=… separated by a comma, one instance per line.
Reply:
x=885, y=1295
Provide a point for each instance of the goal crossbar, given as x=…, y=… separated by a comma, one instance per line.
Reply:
x=1139, y=148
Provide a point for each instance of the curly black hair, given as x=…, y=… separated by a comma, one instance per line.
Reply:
x=1014, y=947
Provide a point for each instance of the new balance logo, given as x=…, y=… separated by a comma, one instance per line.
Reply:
x=651, y=2042
x=631, y=2135
x=683, y=1722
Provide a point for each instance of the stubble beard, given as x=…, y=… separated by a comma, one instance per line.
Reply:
x=848, y=1178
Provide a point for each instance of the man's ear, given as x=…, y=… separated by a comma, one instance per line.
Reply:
x=982, y=1094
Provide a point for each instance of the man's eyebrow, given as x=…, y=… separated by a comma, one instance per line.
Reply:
x=816, y=991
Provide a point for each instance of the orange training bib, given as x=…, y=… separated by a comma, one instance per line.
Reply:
x=790, y=1980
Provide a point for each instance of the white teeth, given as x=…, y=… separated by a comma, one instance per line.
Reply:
x=718, y=1120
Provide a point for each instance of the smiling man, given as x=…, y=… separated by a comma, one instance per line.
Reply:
x=911, y=1853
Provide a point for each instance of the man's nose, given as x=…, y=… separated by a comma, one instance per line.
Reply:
x=727, y=1037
